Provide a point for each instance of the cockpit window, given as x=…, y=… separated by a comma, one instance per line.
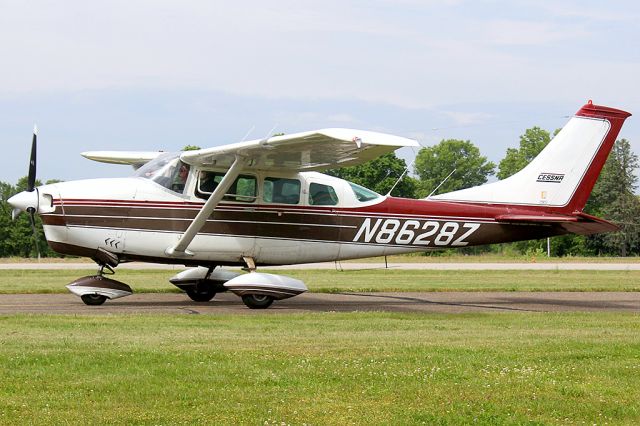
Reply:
x=363, y=194
x=166, y=170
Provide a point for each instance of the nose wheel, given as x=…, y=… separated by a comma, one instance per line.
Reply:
x=93, y=299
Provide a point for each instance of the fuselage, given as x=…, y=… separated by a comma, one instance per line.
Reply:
x=276, y=219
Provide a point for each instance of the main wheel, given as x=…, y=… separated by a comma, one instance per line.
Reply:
x=201, y=294
x=93, y=299
x=257, y=301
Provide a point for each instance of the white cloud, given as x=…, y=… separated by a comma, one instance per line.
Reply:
x=468, y=118
x=342, y=118
x=415, y=58
x=520, y=32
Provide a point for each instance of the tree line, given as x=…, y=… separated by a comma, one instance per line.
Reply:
x=450, y=165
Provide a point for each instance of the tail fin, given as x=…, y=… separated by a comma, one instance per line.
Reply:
x=564, y=173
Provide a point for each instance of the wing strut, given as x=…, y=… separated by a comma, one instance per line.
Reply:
x=180, y=249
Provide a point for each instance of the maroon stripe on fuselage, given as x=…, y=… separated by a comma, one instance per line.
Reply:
x=399, y=207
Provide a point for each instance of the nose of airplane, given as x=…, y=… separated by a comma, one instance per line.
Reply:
x=24, y=201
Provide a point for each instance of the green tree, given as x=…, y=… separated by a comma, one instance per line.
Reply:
x=191, y=148
x=531, y=143
x=613, y=198
x=379, y=175
x=434, y=164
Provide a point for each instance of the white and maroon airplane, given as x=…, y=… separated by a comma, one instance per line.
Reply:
x=263, y=202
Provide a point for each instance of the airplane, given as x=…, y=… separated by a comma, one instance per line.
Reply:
x=264, y=202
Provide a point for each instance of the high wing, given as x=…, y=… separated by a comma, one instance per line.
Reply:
x=133, y=158
x=314, y=150
x=307, y=151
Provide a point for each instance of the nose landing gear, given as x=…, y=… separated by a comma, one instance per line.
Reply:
x=94, y=290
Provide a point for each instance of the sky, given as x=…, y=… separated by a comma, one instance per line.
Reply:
x=162, y=74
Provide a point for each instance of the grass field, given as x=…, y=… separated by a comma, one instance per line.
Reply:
x=328, y=368
x=53, y=281
x=325, y=368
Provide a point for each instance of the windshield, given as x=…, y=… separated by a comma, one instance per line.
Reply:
x=362, y=193
x=166, y=170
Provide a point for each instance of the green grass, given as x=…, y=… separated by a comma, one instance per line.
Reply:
x=322, y=368
x=53, y=281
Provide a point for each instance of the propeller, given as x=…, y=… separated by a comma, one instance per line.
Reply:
x=28, y=200
x=31, y=181
x=31, y=185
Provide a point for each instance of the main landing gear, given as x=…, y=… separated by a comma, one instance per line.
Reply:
x=202, y=293
x=257, y=290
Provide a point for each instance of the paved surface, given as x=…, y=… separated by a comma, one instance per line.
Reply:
x=370, y=265
x=454, y=302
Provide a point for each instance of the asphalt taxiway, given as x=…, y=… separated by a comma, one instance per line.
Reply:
x=227, y=303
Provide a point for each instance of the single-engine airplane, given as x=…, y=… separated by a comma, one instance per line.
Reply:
x=263, y=202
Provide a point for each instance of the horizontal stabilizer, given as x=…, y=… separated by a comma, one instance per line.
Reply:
x=578, y=223
x=588, y=225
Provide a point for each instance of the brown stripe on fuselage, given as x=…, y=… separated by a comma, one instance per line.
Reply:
x=299, y=224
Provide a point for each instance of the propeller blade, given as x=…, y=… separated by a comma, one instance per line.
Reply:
x=32, y=217
x=31, y=182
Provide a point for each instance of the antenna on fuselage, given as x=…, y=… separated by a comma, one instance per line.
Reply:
x=246, y=135
x=273, y=129
x=442, y=183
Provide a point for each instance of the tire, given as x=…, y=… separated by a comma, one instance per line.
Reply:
x=257, y=301
x=93, y=299
x=202, y=294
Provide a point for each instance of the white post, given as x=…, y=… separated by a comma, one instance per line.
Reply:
x=548, y=247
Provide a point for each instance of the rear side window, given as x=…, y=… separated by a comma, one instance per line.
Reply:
x=280, y=190
x=362, y=193
x=322, y=195
x=243, y=189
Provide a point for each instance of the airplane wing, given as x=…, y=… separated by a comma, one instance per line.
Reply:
x=314, y=150
x=133, y=158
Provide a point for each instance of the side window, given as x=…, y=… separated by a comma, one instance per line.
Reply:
x=279, y=190
x=322, y=195
x=243, y=189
